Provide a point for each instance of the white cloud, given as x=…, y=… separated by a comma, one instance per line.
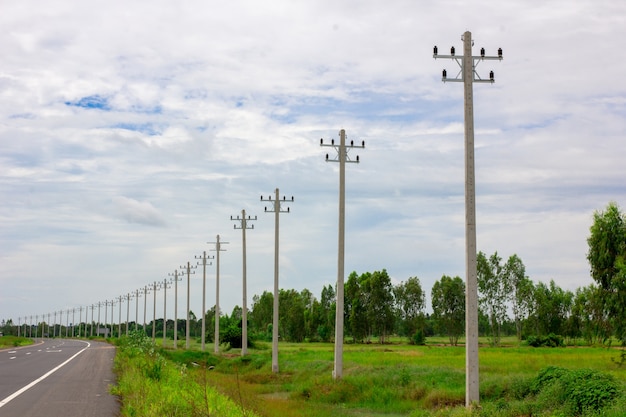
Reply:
x=131, y=132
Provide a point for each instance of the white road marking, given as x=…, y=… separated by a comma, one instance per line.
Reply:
x=41, y=378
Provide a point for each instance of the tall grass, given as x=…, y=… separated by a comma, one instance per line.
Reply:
x=149, y=385
x=379, y=380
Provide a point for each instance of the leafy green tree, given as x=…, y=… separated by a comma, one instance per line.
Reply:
x=356, y=308
x=410, y=303
x=262, y=313
x=551, y=308
x=493, y=292
x=380, y=304
x=607, y=258
x=594, y=320
x=291, y=315
x=448, y=302
x=522, y=291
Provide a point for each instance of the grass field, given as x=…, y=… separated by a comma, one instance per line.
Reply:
x=403, y=380
x=14, y=341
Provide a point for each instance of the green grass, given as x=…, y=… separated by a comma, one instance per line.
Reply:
x=392, y=380
x=14, y=341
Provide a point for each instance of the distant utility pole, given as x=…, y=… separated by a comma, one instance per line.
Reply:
x=137, y=296
x=165, y=287
x=204, y=258
x=189, y=272
x=98, y=324
x=243, y=225
x=119, y=317
x=468, y=75
x=146, y=291
x=90, y=327
x=342, y=157
x=155, y=287
x=276, y=209
x=175, y=280
x=218, y=249
x=129, y=297
x=80, y=320
x=112, y=319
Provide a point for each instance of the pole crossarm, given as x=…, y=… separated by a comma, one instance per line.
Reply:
x=243, y=221
x=459, y=78
x=277, y=204
x=347, y=148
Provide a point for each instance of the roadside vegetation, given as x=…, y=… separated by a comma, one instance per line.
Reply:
x=14, y=341
x=395, y=379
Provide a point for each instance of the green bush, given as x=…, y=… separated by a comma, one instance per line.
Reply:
x=576, y=391
x=418, y=338
x=551, y=340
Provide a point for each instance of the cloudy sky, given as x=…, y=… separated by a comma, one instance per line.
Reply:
x=130, y=132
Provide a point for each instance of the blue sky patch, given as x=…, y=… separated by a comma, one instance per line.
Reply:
x=91, y=102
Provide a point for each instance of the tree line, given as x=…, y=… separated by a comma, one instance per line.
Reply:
x=510, y=303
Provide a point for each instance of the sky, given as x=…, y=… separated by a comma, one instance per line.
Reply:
x=131, y=132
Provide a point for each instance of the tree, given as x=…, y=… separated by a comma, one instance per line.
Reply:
x=262, y=313
x=551, y=308
x=380, y=304
x=522, y=289
x=607, y=258
x=448, y=299
x=355, y=308
x=494, y=290
x=410, y=303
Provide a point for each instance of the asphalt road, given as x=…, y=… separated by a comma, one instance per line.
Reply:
x=58, y=378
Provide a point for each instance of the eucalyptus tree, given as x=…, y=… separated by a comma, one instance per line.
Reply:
x=448, y=302
x=410, y=303
x=607, y=258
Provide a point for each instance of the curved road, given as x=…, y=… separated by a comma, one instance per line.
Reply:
x=58, y=377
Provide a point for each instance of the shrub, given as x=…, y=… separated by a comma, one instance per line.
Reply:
x=577, y=391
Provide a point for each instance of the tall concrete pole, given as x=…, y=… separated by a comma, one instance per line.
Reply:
x=165, y=286
x=119, y=317
x=175, y=279
x=204, y=258
x=275, y=322
x=469, y=76
x=154, y=287
x=137, y=309
x=128, y=298
x=145, y=301
x=342, y=158
x=216, y=337
x=187, y=323
x=244, y=310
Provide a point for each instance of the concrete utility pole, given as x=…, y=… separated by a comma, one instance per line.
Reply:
x=468, y=75
x=189, y=273
x=243, y=225
x=119, y=316
x=129, y=297
x=175, y=280
x=98, y=324
x=155, y=287
x=137, y=295
x=90, y=327
x=218, y=249
x=342, y=157
x=276, y=209
x=80, y=321
x=204, y=258
x=165, y=287
x=146, y=291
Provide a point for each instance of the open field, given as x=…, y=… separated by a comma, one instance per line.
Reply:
x=401, y=380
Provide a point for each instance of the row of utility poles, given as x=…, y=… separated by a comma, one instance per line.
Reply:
x=467, y=75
